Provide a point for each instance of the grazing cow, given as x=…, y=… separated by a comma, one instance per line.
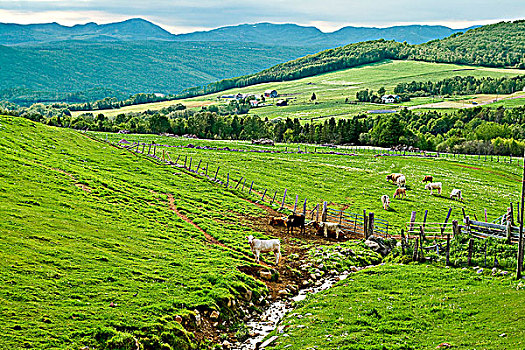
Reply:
x=295, y=221
x=393, y=177
x=401, y=181
x=277, y=221
x=400, y=192
x=386, y=201
x=456, y=194
x=326, y=227
x=433, y=186
x=259, y=246
x=428, y=178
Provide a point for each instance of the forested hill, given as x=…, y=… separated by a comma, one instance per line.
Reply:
x=496, y=45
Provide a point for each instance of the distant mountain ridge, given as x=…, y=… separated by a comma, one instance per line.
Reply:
x=137, y=29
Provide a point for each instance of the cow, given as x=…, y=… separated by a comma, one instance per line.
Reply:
x=393, y=177
x=434, y=186
x=259, y=246
x=401, y=181
x=428, y=178
x=326, y=227
x=400, y=192
x=386, y=201
x=295, y=221
x=456, y=193
x=277, y=221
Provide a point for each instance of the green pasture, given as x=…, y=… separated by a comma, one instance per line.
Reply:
x=410, y=307
x=356, y=182
x=333, y=88
x=92, y=255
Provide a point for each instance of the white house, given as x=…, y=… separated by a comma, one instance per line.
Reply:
x=389, y=98
x=270, y=93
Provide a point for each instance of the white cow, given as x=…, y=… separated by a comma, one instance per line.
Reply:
x=259, y=246
x=434, y=186
x=456, y=193
x=386, y=201
x=401, y=181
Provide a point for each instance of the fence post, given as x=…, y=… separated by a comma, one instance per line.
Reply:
x=264, y=194
x=215, y=178
x=455, y=228
x=149, y=148
x=284, y=197
x=422, y=234
x=403, y=241
x=295, y=205
x=238, y=182
x=416, y=249
x=206, y=169
x=511, y=214
x=508, y=229
x=370, y=224
x=275, y=194
x=317, y=212
x=189, y=168
x=198, y=166
x=304, y=207
x=154, y=150
x=325, y=209
x=470, y=248
x=467, y=224
x=412, y=220
x=251, y=186
x=446, y=220
x=185, y=159
x=425, y=218
x=365, y=224
x=448, y=247
x=243, y=184
x=421, y=240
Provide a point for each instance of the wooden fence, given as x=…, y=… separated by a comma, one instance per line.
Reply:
x=485, y=230
x=362, y=225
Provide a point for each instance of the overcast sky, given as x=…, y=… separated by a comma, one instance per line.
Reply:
x=181, y=16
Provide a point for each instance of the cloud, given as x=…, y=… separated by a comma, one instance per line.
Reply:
x=328, y=15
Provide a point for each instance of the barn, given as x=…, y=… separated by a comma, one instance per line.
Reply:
x=271, y=93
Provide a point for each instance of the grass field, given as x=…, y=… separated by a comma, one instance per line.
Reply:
x=333, y=88
x=357, y=182
x=410, y=307
x=86, y=226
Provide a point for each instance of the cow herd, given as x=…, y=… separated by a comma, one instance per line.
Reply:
x=401, y=190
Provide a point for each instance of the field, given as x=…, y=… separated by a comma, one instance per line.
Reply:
x=104, y=248
x=333, y=88
x=94, y=246
x=409, y=307
x=356, y=183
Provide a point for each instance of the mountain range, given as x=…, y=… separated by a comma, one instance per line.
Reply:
x=137, y=29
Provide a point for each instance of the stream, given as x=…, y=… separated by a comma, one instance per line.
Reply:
x=265, y=323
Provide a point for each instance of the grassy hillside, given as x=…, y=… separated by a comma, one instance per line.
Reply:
x=332, y=89
x=92, y=252
x=409, y=307
x=131, y=67
x=358, y=182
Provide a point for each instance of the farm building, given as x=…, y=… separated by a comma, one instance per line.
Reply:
x=271, y=93
x=389, y=98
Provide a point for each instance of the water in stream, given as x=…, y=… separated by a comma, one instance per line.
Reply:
x=264, y=324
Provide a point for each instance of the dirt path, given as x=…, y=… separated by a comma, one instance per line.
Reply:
x=209, y=238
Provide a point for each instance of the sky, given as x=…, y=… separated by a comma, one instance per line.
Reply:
x=183, y=16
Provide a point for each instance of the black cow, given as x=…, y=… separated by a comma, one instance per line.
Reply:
x=295, y=221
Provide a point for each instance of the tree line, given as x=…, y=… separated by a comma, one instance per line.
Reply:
x=473, y=130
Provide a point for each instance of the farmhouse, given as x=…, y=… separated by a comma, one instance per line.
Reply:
x=271, y=93
x=389, y=98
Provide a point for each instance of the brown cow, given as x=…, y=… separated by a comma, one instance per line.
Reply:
x=393, y=177
x=400, y=192
x=277, y=221
x=428, y=178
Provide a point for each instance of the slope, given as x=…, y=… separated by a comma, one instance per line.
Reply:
x=90, y=252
